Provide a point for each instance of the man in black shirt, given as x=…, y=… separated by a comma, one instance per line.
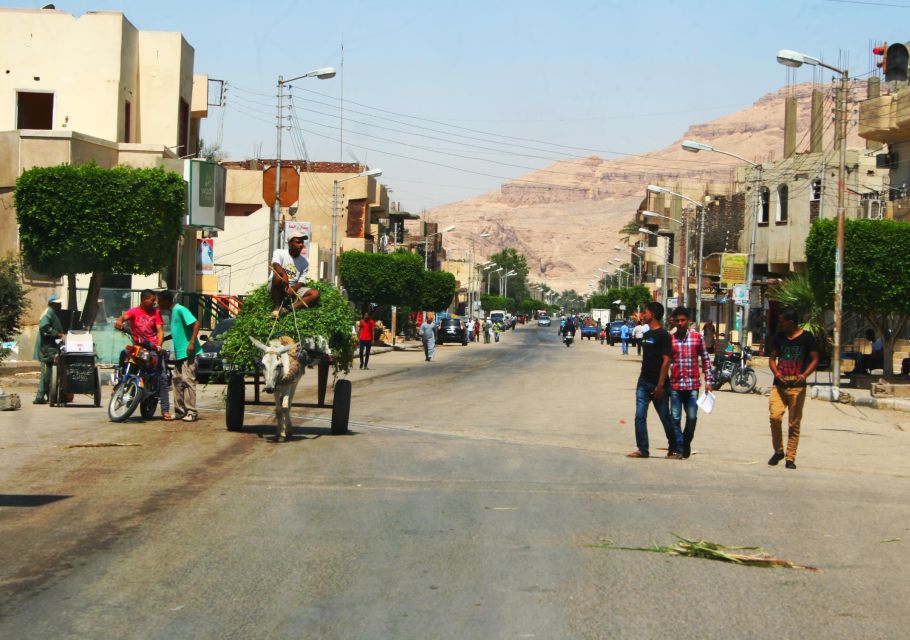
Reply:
x=793, y=357
x=654, y=382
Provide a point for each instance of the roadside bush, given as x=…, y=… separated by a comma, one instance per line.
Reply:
x=13, y=302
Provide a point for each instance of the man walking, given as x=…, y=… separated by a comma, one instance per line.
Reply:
x=624, y=334
x=50, y=328
x=792, y=358
x=637, y=334
x=653, y=382
x=185, y=334
x=688, y=349
x=709, y=332
x=428, y=336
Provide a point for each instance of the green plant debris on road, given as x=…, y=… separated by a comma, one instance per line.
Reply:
x=713, y=551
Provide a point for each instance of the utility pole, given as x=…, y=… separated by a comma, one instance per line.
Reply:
x=274, y=226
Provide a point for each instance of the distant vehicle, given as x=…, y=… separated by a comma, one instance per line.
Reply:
x=614, y=334
x=452, y=330
x=543, y=321
x=209, y=365
x=601, y=315
x=522, y=318
x=498, y=316
x=590, y=331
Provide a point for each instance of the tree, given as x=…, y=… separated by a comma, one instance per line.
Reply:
x=13, y=302
x=437, y=290
x=383, y=278
x=491, y=303
x=876, y=281
x=797, y=292
x=85, y=219
x=510, y=260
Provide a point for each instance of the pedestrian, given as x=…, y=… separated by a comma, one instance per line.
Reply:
x=477, y=330
x=366, y=327
x=147, y=330
x=874, y=360
x=688, y=349
x=185, y=334
x=793, y=357
x=638, y=333
x=487, y=331
x=288, y=275
x=50, y=329
x=428, y=336
x=624, y=334
x=653, y=386
x=709, y=333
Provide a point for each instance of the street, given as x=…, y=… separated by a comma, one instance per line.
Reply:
x=464, y=503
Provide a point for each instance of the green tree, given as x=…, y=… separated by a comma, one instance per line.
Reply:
x=13, y=302
x=876, y=281
x=437, y=290
x=491, y=303
x=796, y=291
x=383, y=278
x=510, y=260
x=85, y=219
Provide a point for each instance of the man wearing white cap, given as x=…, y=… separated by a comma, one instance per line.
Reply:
x=287, y=276
x=49, y=329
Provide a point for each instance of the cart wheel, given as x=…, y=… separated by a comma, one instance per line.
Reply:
x=52, y=391
x=97, y=388
x=235, y=401
x=341, y=407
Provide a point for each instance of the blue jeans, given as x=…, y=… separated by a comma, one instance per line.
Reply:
x=687, y=400
x=625, y=345
x=643, y=398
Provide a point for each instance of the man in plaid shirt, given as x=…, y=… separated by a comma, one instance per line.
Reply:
x=688, y=349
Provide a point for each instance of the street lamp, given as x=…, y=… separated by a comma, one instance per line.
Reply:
x=795, y=59
x=426, y=244
x=472, y=275
x=323, y=73
x=504, y=289
x=492, y=264
x=332, y=258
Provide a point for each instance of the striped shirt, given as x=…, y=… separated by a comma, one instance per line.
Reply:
x=684, y=367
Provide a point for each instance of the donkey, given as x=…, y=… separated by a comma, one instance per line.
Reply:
x=281, y=371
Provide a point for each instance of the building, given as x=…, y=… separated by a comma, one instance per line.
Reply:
x=93, y=88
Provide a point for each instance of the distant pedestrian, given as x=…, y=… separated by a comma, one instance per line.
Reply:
x=624, y=334
x=638, y=332
x=793, y=357
x=185, y=334
x=366, y=327
x=487, y=331
x=50, y=329
x=476, y=329
x=654, y=382
x=428, y=336
x=689, y=354
x=709, y=332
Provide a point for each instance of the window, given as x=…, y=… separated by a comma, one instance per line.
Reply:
x=127, y=121
x=783, y=202
x=765, y=205
x=816, y=189
x=34, y=110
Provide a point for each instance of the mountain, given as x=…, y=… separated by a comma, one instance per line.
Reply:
x=566, y=218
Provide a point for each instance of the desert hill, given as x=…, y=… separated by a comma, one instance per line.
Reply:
x=566, y=217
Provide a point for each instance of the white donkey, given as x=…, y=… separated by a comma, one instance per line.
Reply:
x=281, y=371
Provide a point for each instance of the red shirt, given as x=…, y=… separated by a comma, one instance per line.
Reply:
x=143, y=324
x=684, y=366
x=366, y=329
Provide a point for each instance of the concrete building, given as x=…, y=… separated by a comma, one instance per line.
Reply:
x=241, y=250
x=92, y=88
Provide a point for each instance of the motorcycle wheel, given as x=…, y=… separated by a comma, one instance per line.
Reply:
x=744, y=381
x=147, y=407
x=125, y=398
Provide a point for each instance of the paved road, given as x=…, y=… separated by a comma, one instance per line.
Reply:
x=462, y=505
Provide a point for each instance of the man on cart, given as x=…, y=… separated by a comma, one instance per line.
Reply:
x=287, y=277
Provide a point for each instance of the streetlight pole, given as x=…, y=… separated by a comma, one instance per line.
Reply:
x=796, y=59
x=506, y=288
x=490, y=274
x=333, y=257
x=274, y=234
x=664, y=291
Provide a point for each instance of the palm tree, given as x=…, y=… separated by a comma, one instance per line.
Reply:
x=797, y=292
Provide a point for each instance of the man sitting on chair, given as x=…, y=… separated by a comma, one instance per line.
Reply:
x=287, y=277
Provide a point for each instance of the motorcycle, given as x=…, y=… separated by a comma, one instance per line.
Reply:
x=569, y=338
x=137, y=383
x=733, y=367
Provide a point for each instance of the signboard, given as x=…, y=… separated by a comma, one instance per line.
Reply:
x=205, y=257
x=305, y=227
x=733, y=269
x=672, y=303
x=740, y=294
x=205, y=197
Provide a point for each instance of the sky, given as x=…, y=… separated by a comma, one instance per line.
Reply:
x=450, y=99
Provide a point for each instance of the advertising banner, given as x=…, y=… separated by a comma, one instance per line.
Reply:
x=205, y=257
x=733, y=269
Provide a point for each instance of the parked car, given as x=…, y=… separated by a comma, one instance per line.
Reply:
x=209, y=365
x=543, y=321
x=452, y=330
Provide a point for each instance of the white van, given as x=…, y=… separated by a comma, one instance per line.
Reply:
x=498, y=315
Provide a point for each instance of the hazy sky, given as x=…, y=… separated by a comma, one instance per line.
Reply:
x=570, y=78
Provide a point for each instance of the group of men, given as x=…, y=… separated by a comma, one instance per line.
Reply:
x=670, y=380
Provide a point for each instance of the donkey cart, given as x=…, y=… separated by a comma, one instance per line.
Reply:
x=238, y=381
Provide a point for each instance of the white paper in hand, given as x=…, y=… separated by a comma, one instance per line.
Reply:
x=706, y=402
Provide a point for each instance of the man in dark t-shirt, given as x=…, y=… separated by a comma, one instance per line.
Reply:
x=654, y=382
x=793, y=357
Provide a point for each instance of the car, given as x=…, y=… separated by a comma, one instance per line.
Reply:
x=590, y=331
x=452, y=330
x=209, y=365
x=543, y=321
x=614, y=334
x=498, y=316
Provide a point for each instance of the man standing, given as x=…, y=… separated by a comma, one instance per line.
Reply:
x=50, y=328
x=185, y=334
x=653, y=382
x=709, y=331
x=637, y=334
x=688, y=349
x=792, y=358
x=624, y=334
x=147, y=329
x=428, y=336
x=288, y=276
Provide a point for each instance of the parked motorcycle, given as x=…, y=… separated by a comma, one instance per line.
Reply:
x=137, y=383
x=733, y=367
